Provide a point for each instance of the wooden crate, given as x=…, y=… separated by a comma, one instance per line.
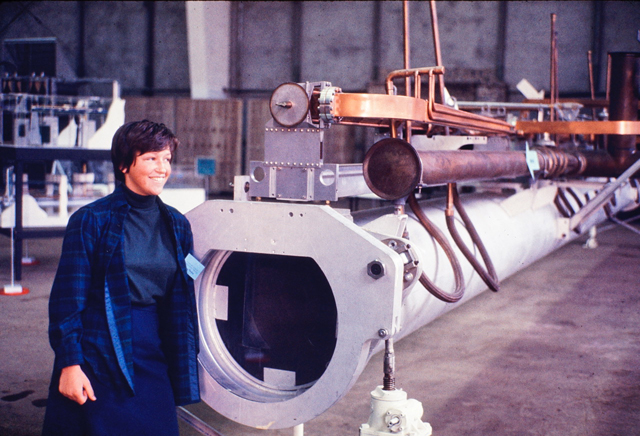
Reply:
x=211, y=129
x=157, y=109
x=257, y=116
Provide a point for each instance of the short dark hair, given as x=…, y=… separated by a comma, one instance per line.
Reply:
x=139, y=137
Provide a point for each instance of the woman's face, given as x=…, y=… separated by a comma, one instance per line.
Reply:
x=149, y=172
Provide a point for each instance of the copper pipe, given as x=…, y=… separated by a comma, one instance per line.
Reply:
x=385, y=110
x=417, y=85
x=594, y=116
x=394, y=129
x=409, y=72
x=436, y=45
x=591, y=83
x=441, y=167
x=406, y=51
x=405, y=34
x=456, y=118
x=602, y=164
x=376, y=110
x=556, y=69
x=579, y=127
x=608, y=90
x=393, y=168
x=623, y=102
x=552, y=66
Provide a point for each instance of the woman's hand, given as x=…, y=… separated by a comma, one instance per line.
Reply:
x=75, y=385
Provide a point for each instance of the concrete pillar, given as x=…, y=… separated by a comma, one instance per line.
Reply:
x=208, y=35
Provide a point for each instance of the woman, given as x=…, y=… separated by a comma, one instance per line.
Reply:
x=122, y=314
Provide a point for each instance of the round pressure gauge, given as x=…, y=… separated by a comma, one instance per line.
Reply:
x=289, y=104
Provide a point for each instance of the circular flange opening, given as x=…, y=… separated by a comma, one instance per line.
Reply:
x=276, y=333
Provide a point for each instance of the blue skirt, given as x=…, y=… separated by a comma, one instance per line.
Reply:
x=151, y=411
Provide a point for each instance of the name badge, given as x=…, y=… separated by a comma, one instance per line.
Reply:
x=194, y=267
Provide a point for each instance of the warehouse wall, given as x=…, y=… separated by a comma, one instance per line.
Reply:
x=353, y=44
x=143, y=45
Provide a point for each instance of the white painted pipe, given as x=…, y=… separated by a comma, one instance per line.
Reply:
x=260, y=298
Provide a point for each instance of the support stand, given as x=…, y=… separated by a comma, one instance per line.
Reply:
x=13, y=288
x=392, y=413
x=592, y=242
x=28, y=260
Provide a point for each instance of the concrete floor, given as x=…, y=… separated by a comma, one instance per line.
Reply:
x=556, y=352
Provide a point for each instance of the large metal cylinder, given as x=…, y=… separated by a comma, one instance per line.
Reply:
x=296, y=298
x=623, y=99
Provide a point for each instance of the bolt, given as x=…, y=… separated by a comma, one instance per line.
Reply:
x=375, y=269
x=383, y=333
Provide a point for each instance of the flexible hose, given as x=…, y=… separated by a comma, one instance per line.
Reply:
x=488, y=275
x=435, y=232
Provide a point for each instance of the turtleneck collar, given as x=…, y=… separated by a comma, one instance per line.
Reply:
x=139, y=201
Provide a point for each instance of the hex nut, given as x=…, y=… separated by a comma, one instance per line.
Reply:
x=375, y=269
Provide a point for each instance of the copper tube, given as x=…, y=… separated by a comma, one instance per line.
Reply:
x=436, y=46
x=393, y=168
x=591, y=83
x=377, y=109
x=394, y=129
x=608, y=77
x=456, y=118
x=602, y=164
x=384, y=110
x=405, y=34
x=623, y=102
x=409, y=72
x=406, y=51
x=441, y=167
x=553, y=68
x=579, y=127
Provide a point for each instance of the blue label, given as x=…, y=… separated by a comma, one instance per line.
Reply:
x=206, y=166
x=532, y=160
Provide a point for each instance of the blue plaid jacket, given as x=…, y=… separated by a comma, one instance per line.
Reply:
x=90, y=306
